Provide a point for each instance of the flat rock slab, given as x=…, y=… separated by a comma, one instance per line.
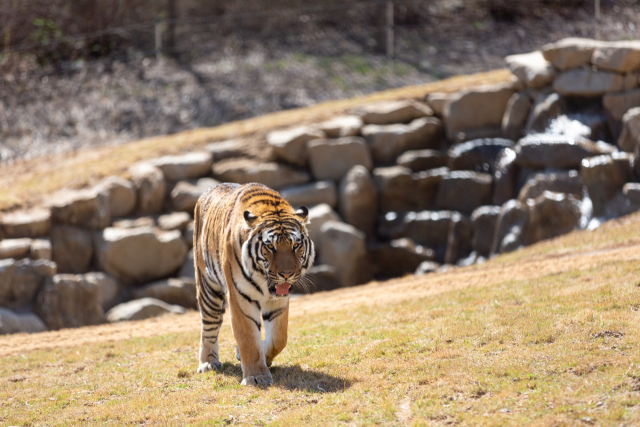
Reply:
x=322, y=278
x=400, y=190
x=290, y=145
x=69, y=301
x=41, y=249
x=151, y=187
x=139, y=255
x=586, y=82
x=477, y=108
x=344, y=247
x=174, y=221
x=570, y=52
x=478, y=155
x=604, y=176
x=21, y=280
x=464, y=191
x=632, y=191
x=25, y=223
x=311, y=194
x=551, y=215
x=185, y=194
x=82, y=208
x=226, y=149
x=389, y=141
x=621, y=57
x=180, y=291
x=420, y=160
x=14, y=323
x=140, y=309
x=398, y=257
x=15, y=248
x=388, y=112
x=271, y=174
x=630, y=136
x=483, y=221
x=330, y=159
x=341, y=126
x=569, y=182
x=542, y=151
x=185, y=166
x=120, y=194
x=72, y=248
x=531, y=68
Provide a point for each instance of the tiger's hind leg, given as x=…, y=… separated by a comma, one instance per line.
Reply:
x=212, y=301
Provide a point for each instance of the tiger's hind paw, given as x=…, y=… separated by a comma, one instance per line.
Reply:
x=209, y=366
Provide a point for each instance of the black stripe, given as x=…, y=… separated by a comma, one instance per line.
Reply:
x=268, y=317
x=247, y=278
x=209, y=322
x=248, y=298
x=258, y=325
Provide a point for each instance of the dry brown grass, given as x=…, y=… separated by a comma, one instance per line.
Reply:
x=551, y=341
x=27, y=182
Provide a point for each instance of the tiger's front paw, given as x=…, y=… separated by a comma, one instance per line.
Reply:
x=209, y=366
x=258, y=380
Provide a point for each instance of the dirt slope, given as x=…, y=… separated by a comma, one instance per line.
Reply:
x=375, y=293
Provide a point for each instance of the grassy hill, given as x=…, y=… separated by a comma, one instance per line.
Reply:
x=547, y=335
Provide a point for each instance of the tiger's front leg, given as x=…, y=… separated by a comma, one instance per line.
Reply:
x=245, y=322
x=275, y=328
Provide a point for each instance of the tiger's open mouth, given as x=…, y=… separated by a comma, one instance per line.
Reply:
x=283, y=288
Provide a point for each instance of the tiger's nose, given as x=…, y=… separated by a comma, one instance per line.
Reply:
x=286, y=274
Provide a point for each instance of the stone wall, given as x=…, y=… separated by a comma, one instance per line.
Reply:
x=394, y=188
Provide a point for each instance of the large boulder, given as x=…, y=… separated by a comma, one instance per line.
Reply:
x=41, y=249
x=312, y=194
x=273, y=175
x=226, y=149
x=512, y=227
x=359, y=200
x=184, y=166
x=477, y=108
x=389, y=112
x=587, y=82
x=185, y=194
x=344, y=247
x=332, y=158
x=532, y=69
x=621, y=57
x=616, y=106
x=109, y=289
x=69, y=301
x=515, y=116
x=15, y=248
x=570, y=52
x=541, y=151
x=174, y=221
x=552, y=214
x=426, y=228
x=188, y=269
x=290, y=145
x=632, y=191
x=341, y=126
x=72, y=249
x=120, y=194
x=569, y=182
x=82, y=208
x=630, y=137
x=483, y=223
x=21, y=280
x=401, y=190
x=464, y=191
x=421, y=160
x=318, y=216
x=14, y=323
x=477, y=155
x=389, y=141
x=320, y=277
x=505, y=177
x=438, y=102
x=604, y=176
x=398, y=257
x=25, y=223
x=174, y=291
x=459, y=239
x=139, y=255
x=140, y=309
x=150, y=187
x=545, y=108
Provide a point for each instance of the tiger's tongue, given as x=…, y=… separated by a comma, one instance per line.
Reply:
x=283, y=289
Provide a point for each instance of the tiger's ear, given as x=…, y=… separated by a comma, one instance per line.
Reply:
x=250, y=218
x=303, y=214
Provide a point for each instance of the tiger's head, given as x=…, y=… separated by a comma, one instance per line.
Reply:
x=278, y=249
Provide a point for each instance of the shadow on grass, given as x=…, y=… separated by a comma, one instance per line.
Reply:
x=296, y=378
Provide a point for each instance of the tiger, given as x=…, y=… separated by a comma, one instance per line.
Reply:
x=248, y=243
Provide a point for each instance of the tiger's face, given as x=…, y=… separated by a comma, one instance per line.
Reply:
x=281, y=252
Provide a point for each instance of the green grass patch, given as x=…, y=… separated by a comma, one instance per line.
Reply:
x=557, y=349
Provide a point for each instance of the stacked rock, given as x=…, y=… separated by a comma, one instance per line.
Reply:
x=393, y=188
